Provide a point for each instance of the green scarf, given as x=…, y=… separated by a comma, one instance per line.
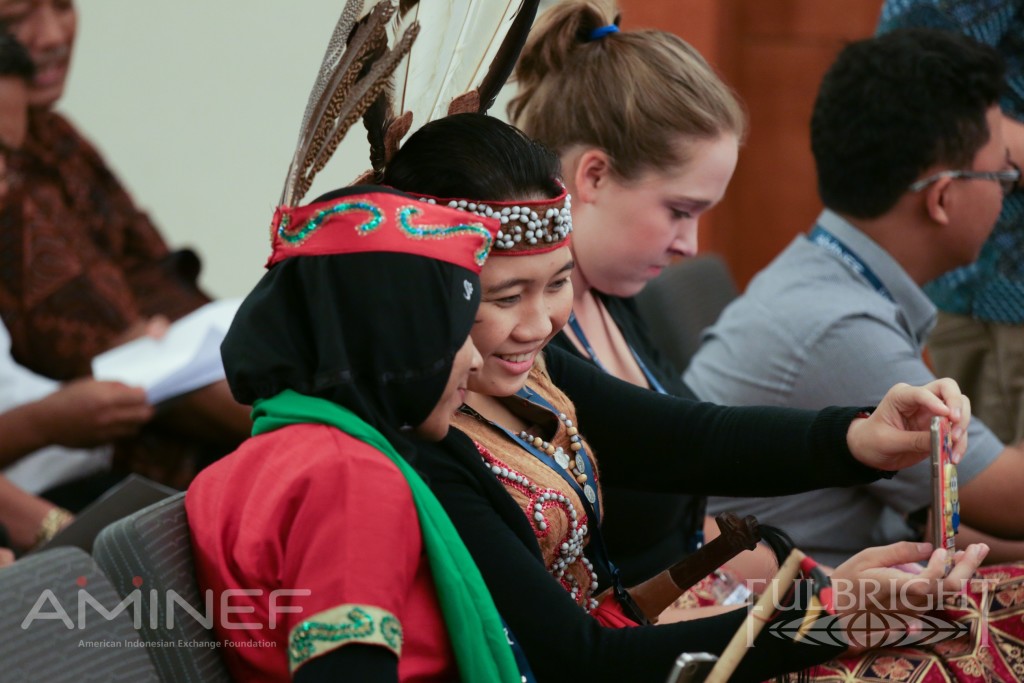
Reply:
x=474, y=627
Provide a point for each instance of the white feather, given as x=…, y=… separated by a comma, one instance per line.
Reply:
x=457, y=44
x=488, y=26
x=486, y=57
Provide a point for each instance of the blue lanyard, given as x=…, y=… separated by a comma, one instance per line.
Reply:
x=577, y=329
x=587, y=492
x=592, y=507
x=830, y=243
x=695, y=541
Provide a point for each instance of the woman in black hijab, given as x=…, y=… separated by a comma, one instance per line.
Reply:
x=354, y=344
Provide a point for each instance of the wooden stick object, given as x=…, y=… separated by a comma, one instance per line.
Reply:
x=761, y=614
x=656, y=594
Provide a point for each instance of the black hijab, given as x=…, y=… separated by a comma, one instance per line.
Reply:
x=375, y=332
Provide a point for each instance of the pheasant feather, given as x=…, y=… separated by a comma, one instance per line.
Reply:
x=380, y=65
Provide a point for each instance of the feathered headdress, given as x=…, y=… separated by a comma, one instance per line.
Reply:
x=400, y=67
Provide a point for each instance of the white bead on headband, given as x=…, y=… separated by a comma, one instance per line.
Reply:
x=525, y=227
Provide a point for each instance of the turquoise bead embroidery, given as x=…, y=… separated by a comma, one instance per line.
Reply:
x=316, y=221
x=431, y=232
x=315, y=637
x=392, y=632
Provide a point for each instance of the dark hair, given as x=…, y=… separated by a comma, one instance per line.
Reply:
x=893, y=106
x=14, y=58
x=473, y=156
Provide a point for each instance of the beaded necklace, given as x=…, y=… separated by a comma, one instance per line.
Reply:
x=577, y=465
x=570, y=550
x=578, y=472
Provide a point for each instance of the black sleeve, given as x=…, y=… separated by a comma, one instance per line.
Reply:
x=645, y=530
x=559, y=639
x=350, y=663
x=650, y=441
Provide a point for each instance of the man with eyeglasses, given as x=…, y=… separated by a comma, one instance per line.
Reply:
x=1007, y=179
x=912, y=169
x=979, y=337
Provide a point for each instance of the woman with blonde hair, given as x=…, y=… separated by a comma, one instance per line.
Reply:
x=644, y=156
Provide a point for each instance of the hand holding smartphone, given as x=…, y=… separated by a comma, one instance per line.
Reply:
x=945, y=493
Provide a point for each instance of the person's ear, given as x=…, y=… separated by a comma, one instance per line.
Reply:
x=937, y=198
x=592, y=174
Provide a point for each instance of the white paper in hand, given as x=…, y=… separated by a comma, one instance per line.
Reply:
x=184, y=359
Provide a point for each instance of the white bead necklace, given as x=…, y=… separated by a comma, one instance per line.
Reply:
x=570, y=551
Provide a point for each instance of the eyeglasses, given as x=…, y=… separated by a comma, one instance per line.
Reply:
x=1007, y=179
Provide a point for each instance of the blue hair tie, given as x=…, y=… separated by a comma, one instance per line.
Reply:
x=602, y=31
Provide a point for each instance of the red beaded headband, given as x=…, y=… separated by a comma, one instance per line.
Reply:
x=368, y=218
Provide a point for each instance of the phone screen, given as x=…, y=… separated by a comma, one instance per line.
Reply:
x=945, y=496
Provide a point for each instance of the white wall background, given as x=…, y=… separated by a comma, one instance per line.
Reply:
x=196, y=105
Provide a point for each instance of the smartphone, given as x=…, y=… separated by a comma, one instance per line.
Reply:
x=945, y=494
x=692, y=667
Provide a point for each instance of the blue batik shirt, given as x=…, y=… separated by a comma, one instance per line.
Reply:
x=992, y=288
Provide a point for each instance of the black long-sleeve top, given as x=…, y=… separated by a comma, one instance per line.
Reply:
x=651, y=442
x=645, y=531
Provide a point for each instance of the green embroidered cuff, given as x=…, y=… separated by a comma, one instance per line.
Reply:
x=343, y=625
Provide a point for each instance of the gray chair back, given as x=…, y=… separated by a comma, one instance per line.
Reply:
x=48, y=637
x=154, y=545
x=684, y=300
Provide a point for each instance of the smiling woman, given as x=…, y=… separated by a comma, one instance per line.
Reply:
x=526, y=492
x=524, y=306
x=47, y=29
